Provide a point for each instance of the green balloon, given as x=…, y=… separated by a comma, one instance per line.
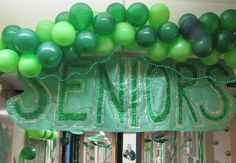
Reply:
x=49, y=54
x=158, y=51
x=63, y=16
x=9, y=60
x=86, y=41
x=202, y=47
x=2, y=45
x=224, y=41
x=137, y=14
x=159, y=14
x=63, y=33
x=8, y=36
x=168, y=32
x=145, y=36
x=124, y=33
x=26, y=41
x=54, y=135
x=210, y=23
x=81, y=16
x=44, y=30
x=134, y=47
x=47, y=134
x=51, y=70
x=36, y=134
x=71, y=55
x=118, y=11
x=230, y=58
x=228, y=20
x=212, y=59
x=28, y=153
x=29, y=66
x=180, y=50
x=104, y=23
x=186, y=16
x=106, y=46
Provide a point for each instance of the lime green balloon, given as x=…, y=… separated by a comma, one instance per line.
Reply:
x=2, y=45
x=212, y=59
x=230, y=58
x=54, y=135
x=47, y=134
x=180, y=50
x=106, y=46
x=63, y=16
x=9, y=60
x=28, y=153
x=37, y=134
x=159, y=14
x=134, y=47
x=118, y=11
x=158, y=51
x=124, y=33
x=44, y=30
x=29, y=65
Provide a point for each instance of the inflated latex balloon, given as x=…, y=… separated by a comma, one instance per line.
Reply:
x=44, y=30
x=51, y=70
x=230, y=58
x=9, y=60
x=29, y=66
x=124, y=33
x=159, y=14
x=63, y=33
x=212, y=59
x=168, y=32
x=71, y=55
x=183, y=17
x=118, y=12
x=188, y=26
x=133, y=47
x=2, y=45
x=158, y=51
x=81, y=16
x=202, y=47
x=8, y=36
x=104, y=23
x=54, y=135
x=49, y=54
x=227, y=20
x=47, y=134
x=86, y=42
x=106, y=46
x=145, y=36
x=65, y=141
x=224, y=41
x=26, y=41
x=63, y=16
x=37, y=134
x=210, y=23
x=137, y=14
x=28, y=153
x=180, y=50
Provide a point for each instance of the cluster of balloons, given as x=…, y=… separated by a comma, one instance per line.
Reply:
x=42, y=134
x=28, y=153
x=81, y=32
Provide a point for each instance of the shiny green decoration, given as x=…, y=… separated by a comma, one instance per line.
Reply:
x=224, y=41
x=36, y=134
x=104, y=23
x=212, y=59
x=133, y=47
x=137, y=14
x=49, y=54
x=51, y=70
x=168, y=32
x=105, y=46
x=159, y=14
x=81, y=16
x=86, y=41
x=202, y=47
x=63, y=16
x=71, y=55
x=2, y=45
x=230, y=58
x=145, y=36
x=158, y=51
x=26, y=41
x=124, y=34
x=44, y=30
x=63, y=33
x=210, y=23
x=118, y=12
x=227, y=20
x=47, y=134
x=185, y=16
x=9, y=60
x=29, y=65
x=8, y=36
x=28, y=153
x=65, y=141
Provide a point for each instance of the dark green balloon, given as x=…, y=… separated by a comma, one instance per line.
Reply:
x=28, y=153
x=49, y=54
x=202, y=47
x=104, y=23
x=168, y=32
x=145, y=36
x=183, y=17
x=63, y=16
x=210, y=23
x=81, y=16
x=71, y=55
x=26, y=41
x=51, y=70
x=188, y=26
x=86, y=42
x=137, y=14
x=228, y=20
x=8, y=36
x=224, y=41
x=118, y=11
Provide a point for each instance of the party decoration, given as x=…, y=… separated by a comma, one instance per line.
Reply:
x=183, y=17
x=65, y=140
x=71, y=55
x=158, y=51
x=168, y=32
x=124, y=33
x=105, y=46
x=63, y=16
x=227, y=20
x=202, y=47
x=42, y=134
x=36, y=133
x=28, y=153
x=44, y=30
x=2, y=45
x=145, y=36
x=212, y=59
x=230, y=58
x=224, y=41
x=49, y=54
x=86, y=41
x=210, y=23
x=9, y=60
x=51, y=70
x=104, y=23
x=8, y=36
x=118, y=12
x=137, y=14
x=63, y=33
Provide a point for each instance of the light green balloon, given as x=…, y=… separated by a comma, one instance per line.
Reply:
x=37, y=134
x=106, y=46
x=158, y=51
x=212, y=59
x=134, y=47
x=230, y=58
x=9, y=60
x=2, y=45
x=44, y=30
